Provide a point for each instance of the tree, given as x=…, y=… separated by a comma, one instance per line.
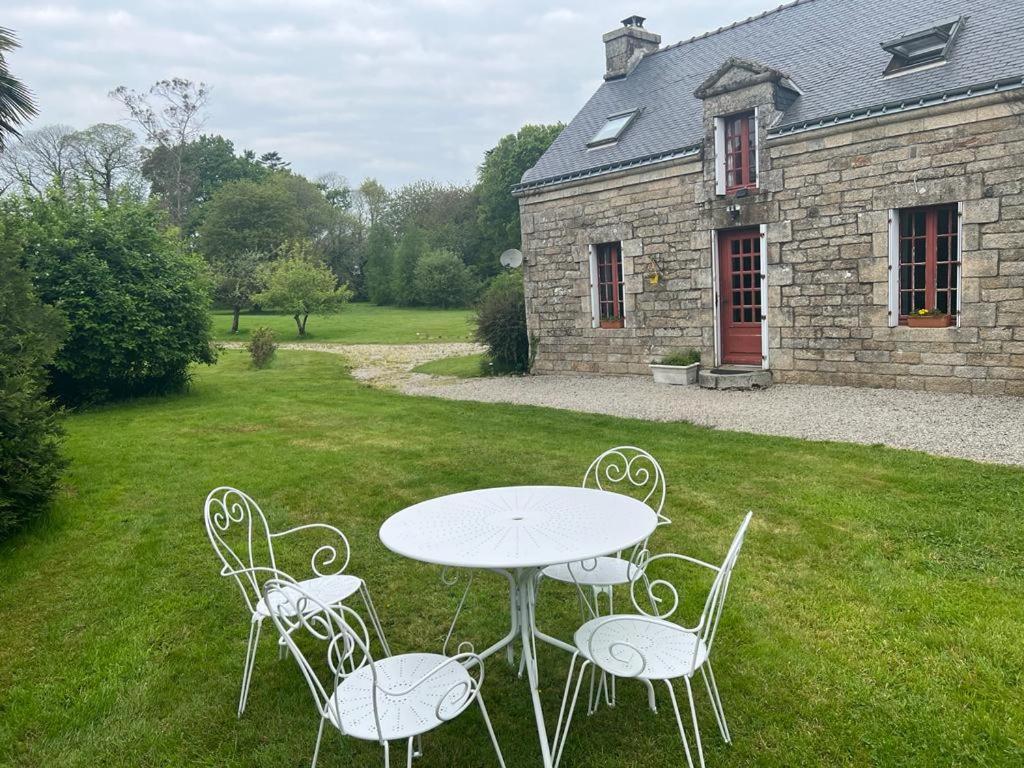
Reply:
x=16, y=103
x=208, y=163
x=403, y=277
x=107, y=158
x=442, y=280
x=30, y=334
x=237, y=278
x=43, y=158
x=380, y=248
x=137, y=304
x=372, y=201
x=300, y=285
x=175, y=119
x=503, y=168
x=274, y=162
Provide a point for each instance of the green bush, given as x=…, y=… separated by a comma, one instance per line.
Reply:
x=689, y=357
x=442, y=280
x=501, y=324
x=137, y=303
x=30, y=333
x=261, y=346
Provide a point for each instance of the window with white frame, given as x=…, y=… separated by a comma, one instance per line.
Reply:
x=608, y=286
x=736, y=153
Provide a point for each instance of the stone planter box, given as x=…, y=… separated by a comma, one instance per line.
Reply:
x=675, y=374
x=929, y=321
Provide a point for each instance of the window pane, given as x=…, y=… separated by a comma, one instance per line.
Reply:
x=612, y=129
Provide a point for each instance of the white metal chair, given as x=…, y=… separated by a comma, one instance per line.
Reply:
x=624, y=469
x=635, y=472
x=244, y=543
x=650, y=648
x=398, y=698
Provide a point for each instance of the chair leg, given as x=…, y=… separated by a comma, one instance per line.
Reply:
x=693, y=715
x=364, y=592
x=651, y=701
x=250, y=661
x=564, y=732
x=387, y=755
x=714, y=705
x=408, y=754
x=490, y=730
x=679, y=722
x=718, y=701
x=319, y=736
x=565, y=700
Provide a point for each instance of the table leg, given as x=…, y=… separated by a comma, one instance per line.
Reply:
x=528, y=626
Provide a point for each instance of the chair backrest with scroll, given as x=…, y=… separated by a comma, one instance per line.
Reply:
x=631, y=471
x=241, y=537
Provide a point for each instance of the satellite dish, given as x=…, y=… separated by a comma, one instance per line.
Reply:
x=511, y=258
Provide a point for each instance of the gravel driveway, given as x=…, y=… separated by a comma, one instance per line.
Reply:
x=989, y=429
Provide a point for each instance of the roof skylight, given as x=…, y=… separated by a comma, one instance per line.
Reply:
x=923, y=47
x=613, y=128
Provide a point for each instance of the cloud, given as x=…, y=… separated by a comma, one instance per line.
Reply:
x=394, y=88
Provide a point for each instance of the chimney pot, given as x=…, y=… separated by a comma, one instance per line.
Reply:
x=625, y=46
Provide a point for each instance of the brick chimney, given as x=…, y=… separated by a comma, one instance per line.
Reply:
x=625, y=46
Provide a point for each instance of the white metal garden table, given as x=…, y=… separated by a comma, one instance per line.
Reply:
x=518, y=531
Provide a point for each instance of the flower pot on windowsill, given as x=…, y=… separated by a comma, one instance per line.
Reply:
x=930, y=321
x=675, y=374
x=611, y=322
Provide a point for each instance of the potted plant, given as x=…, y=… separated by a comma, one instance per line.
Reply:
x=677, y=368
x=608, y=321
x=929, y=318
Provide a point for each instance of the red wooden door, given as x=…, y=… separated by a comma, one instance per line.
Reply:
x=739, y=271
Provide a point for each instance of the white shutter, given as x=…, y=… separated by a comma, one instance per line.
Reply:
x=960, y=258
x=595, y=307
x=894, y=268
x=764, y=296
x=757, y=146
x=715, y=297
x=719, y=156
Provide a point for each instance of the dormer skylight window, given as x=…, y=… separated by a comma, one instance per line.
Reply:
x=613, y=128
x=925, y=47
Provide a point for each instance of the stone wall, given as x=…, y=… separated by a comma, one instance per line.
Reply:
x=825, y=197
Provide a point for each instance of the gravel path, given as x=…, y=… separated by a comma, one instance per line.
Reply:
x=383, y=365
x=989, y=429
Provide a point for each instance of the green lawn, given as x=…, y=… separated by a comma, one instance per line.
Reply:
x=460, y=366
x=875, y=618
x=359, y=323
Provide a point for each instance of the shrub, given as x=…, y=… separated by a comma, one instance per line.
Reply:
x=137, y=303
x=689, y=357
x=442, y=280
x=261, y=346
x=501, y=324
x=30, y=332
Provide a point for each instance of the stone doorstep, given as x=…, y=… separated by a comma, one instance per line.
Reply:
x=735, y=377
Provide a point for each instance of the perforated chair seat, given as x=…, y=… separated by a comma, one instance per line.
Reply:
x=351, y=708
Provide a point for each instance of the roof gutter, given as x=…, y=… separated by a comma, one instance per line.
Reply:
x=897, y=107
x=600, y=170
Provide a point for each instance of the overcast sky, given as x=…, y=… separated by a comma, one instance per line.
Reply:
x=396, y=89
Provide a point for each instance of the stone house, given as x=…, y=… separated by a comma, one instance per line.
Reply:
x=787, y=194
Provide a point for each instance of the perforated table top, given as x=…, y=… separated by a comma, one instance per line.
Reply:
x=528, y=526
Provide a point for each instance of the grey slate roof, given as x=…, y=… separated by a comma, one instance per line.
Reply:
x=831, y=49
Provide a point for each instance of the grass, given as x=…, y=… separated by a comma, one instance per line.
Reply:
x=875, y=617
x=461, y=366
x=359, y=323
